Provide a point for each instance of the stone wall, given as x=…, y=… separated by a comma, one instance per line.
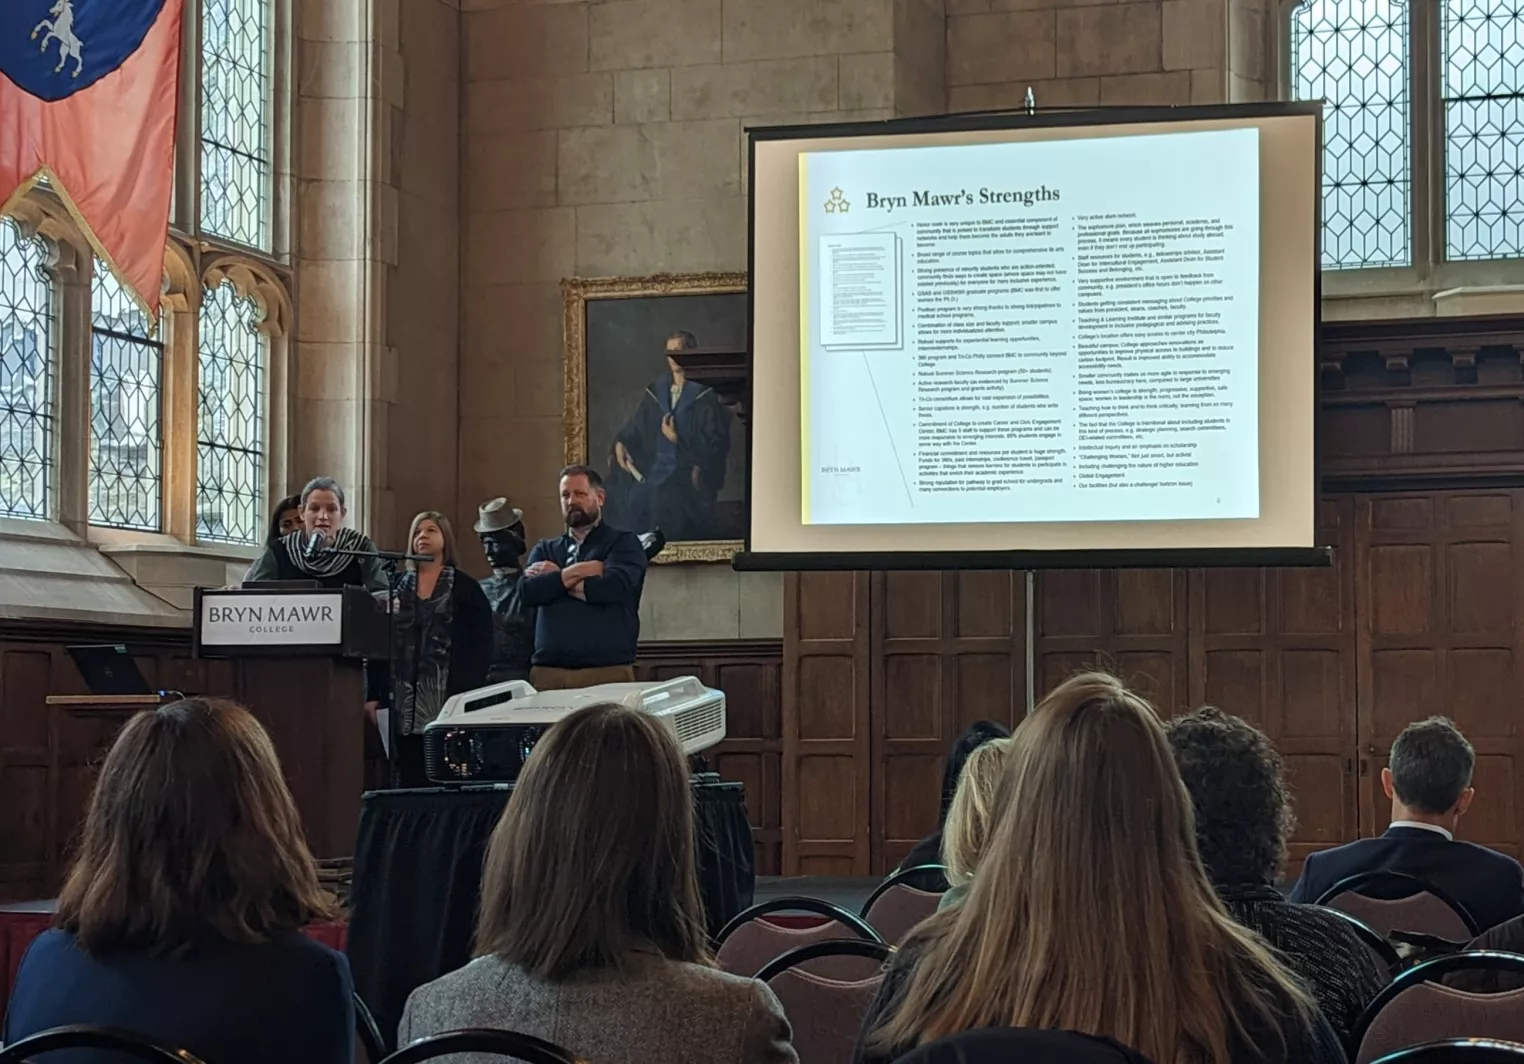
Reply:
x=1080, y=53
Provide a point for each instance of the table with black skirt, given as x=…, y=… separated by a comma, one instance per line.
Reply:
x=418, y=869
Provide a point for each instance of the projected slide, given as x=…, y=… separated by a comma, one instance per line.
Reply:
x=1042, y=331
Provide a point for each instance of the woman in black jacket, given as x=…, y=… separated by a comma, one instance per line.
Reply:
x=322, y=549
x=442, y=639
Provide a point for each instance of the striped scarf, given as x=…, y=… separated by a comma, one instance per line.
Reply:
x=326, y=563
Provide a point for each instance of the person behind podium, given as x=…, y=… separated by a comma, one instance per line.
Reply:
x=443, y=638
x=285, y=519
x=322, y=549
x=587, y=586
x=590, y=931
x=181, y=917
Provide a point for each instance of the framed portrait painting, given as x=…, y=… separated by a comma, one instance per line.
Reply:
x=671, y=455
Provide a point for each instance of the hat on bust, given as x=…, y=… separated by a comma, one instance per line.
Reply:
x=495, y=515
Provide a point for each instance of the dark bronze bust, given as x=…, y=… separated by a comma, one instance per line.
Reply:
x=501, y=530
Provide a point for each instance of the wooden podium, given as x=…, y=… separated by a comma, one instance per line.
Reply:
x=297, y=659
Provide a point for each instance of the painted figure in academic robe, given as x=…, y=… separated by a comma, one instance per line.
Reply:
x=668, y=461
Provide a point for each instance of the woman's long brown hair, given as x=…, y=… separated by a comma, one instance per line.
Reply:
x=591, y=863
x=1091, y=911
x=191, y=836
x=450, y=551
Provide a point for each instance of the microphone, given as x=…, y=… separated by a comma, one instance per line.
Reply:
x=315, y=545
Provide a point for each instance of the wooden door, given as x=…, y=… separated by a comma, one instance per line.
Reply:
x=946, y=649
x=1277, y=647
x=1130, y=621
x=825, y=725
x=1439, y=633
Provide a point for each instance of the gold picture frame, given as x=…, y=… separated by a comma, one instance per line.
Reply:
x=576, y=293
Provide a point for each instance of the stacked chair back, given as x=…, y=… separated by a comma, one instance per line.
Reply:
x=1380, y=947
x=128, y=1044
x=509, y=1044
x=749, y=941
x=1459, y=1051
x=1423, y=907
x=897, y=905
x=1416, y=1009
x=368, y=1033
x=825, y=1014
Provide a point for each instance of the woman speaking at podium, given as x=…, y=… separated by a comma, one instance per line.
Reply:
x=322, y=549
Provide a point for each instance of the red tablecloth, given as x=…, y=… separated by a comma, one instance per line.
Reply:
x=18, y=926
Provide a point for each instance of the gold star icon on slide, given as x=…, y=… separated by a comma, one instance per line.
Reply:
x=837, y=204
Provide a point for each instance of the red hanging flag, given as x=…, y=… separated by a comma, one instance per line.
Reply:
x=89, y=91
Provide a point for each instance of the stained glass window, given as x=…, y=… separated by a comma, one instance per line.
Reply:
x=26, y=377
x=1354, y=55
x=1483, y=92
x=126, y=444
x=235, y=120
x=230, y=453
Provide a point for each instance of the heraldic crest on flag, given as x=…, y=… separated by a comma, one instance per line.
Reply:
x=88, y=99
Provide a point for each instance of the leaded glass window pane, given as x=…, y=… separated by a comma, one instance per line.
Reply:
x=26, y=377
x=230, y=455
x=126, y=444
x=235, y=120
x=1484, y=128
x=1354, y=55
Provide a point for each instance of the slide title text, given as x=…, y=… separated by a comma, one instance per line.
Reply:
x=962, y=198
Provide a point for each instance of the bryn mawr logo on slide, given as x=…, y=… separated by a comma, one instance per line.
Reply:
x=837, y=204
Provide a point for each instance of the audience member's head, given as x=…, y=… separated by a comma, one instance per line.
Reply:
x=1237, y=784
x=592, y=861
x=191, y=836
x=285, y=518
x=1090, y=910
x=1429, y=771
x=973, y=807
x=977, y=734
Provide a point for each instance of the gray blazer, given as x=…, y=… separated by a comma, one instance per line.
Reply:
x=666, y=1012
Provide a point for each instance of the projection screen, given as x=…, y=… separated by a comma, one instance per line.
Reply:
x=1078, y=336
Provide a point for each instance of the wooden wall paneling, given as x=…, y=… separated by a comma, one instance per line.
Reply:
x=826, y=753
x=1129, y=621
x=1277, y=647
x=1441, y=593
x=750, y=674
x=946, y=649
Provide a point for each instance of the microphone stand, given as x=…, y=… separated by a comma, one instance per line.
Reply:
x=389, y=560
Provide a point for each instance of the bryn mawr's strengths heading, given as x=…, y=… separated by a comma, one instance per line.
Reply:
x=961, y=198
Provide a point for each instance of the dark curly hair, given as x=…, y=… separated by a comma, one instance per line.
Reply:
x=1237, y=783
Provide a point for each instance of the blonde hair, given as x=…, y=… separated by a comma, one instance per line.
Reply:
x=968, y=818
x=450, y=553
x=1091, y=911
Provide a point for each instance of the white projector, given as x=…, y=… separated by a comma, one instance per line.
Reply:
x=486, y=735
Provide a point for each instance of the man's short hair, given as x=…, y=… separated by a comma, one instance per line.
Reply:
x=1431, y=764
x=594, y=481
x=685, y=341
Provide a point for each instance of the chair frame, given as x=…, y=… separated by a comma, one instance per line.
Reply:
x=1370, y=936
x=368, y=1031
x=88, y=1036
x=831, y=947
x=524, y=1047
x=817, y=906
x=1476, y=1051
x=900, y=877
x=1348, y=885
x=1477, y=960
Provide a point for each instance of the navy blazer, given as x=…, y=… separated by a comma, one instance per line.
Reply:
x=1489, y=884
x=290, y=1000
x=570, y=633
